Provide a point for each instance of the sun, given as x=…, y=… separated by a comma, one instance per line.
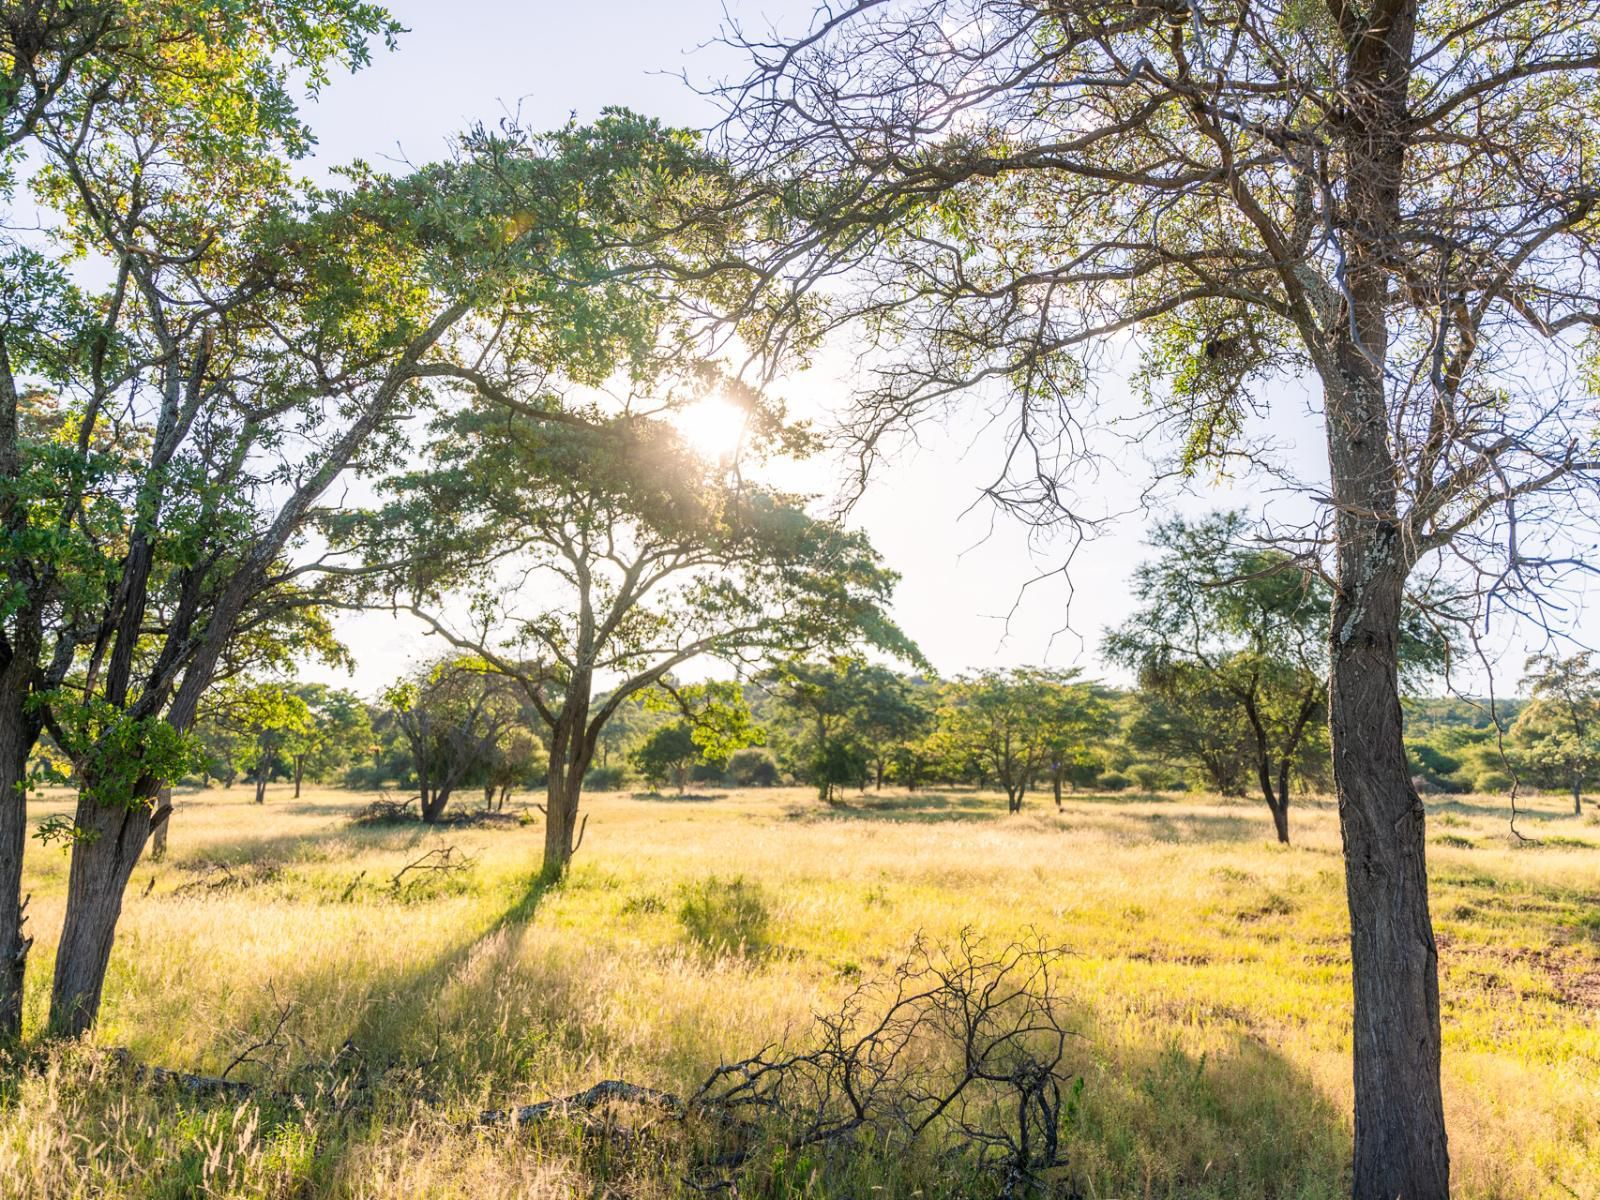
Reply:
x=714, y=426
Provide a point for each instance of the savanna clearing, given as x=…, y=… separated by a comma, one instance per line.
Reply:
x=1207, y=983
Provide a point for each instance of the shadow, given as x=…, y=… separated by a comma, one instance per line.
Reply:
x=923, y=807
x=1155, y=1118
x=396, y=1032
x=676, y=798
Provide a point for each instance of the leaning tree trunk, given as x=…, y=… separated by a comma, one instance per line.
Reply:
x=102, y=862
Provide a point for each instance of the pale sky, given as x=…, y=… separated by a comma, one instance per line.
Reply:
x=476, y=60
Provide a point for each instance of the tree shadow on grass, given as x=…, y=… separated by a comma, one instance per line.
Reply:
x=917, y=807
x=398, y=1024
x=1156, y=1118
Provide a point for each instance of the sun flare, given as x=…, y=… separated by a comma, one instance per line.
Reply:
x=714, y=426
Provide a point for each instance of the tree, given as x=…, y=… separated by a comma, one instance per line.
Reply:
x=338, y=731
x=267, y=719
x=668, y=753
x=853, y=714
x=453, y=714
x=1020, y=724
x=889, y=714
x=1190, y=721
x=1225, y=623
x=1559, y=730
x=1220, y=620
x=609, y=547
x=165, y=439
x=1392, y=198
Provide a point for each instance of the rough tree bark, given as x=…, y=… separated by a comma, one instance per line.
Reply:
x=15, y=742
x=161, y=823
x=102, y=863
x=572, y=749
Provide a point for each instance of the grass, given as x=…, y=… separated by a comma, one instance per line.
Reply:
x=1208, y=981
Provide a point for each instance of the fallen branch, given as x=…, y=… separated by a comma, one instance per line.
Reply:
x=585, y=1101
x=195, y=1085
x=440, y=860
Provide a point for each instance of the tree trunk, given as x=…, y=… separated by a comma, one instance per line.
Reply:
x=15, y=743
x=1400, y=1144
x=160, y=823
x=561, y=817
x=261, y=787
x=431, y=804
x=1577, y=795
x=102, y=862
x=299, y=771
x=1280, y=810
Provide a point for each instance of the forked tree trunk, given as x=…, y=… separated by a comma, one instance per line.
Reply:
x=1401, y=1151
x=431, y=803
x=102, y=862
x=571, y=752
x=560, y=826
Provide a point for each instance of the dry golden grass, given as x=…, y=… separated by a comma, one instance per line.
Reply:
x=1208, y=976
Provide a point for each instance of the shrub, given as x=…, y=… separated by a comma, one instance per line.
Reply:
x=1492, y=781
x=726, y=915
x=1112, y=781
x=606, y=779
x=1147, y=777
x=753, y=767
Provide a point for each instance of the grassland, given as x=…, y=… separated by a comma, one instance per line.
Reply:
x=1208, y=979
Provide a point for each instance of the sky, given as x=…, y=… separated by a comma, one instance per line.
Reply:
x=965, y=595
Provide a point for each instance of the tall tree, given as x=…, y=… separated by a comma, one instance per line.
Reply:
x=165, y=440
x=608, y=549
x=1394, y=199
x=1559, y=730
x=155, y=137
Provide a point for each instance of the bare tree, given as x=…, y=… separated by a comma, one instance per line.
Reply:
x=1394, y=198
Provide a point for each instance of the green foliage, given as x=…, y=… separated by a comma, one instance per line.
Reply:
x=120, y=758
x=668, y=754
x=753, y=766
x=1014, y=725
x=1557, y=735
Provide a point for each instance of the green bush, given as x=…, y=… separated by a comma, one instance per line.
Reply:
x=753, y=767
x=1148, y=778
x=726, y=915
x=1492, y=781
x=1112, y=781
x=606, y=779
